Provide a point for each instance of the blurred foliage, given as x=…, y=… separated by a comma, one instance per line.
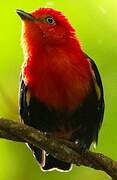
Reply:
x=96, y=25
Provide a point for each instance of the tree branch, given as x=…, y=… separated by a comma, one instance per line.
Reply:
x=60, y=149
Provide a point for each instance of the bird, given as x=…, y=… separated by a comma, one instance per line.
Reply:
x=61, y=91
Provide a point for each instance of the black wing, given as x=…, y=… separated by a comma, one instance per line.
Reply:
x=89, y=116
x=23, y=104
x=98, y=88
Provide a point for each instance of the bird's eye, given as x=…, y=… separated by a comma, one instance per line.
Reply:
x=50, y=20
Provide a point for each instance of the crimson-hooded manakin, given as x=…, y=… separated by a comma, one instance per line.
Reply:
x=61, y=91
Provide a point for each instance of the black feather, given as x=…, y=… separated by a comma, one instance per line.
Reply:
x=84, y=123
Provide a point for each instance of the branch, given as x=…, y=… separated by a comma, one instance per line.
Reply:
x=61, y=149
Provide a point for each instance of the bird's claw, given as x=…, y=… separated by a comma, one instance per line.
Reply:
x=82, y=147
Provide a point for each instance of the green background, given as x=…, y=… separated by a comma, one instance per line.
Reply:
x=96, y=25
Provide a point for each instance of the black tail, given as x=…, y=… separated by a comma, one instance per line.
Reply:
x=51, y=163
x=47, y=162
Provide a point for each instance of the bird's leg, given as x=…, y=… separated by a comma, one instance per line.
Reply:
x=83, y=147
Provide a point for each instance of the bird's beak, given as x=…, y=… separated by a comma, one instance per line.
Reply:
x=25, y=16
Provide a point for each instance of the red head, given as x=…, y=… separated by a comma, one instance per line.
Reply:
x=46, y=26
x=52, y=25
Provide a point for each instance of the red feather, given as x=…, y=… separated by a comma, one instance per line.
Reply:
x=56, y=69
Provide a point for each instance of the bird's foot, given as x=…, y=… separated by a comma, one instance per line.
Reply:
x=82, y=147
